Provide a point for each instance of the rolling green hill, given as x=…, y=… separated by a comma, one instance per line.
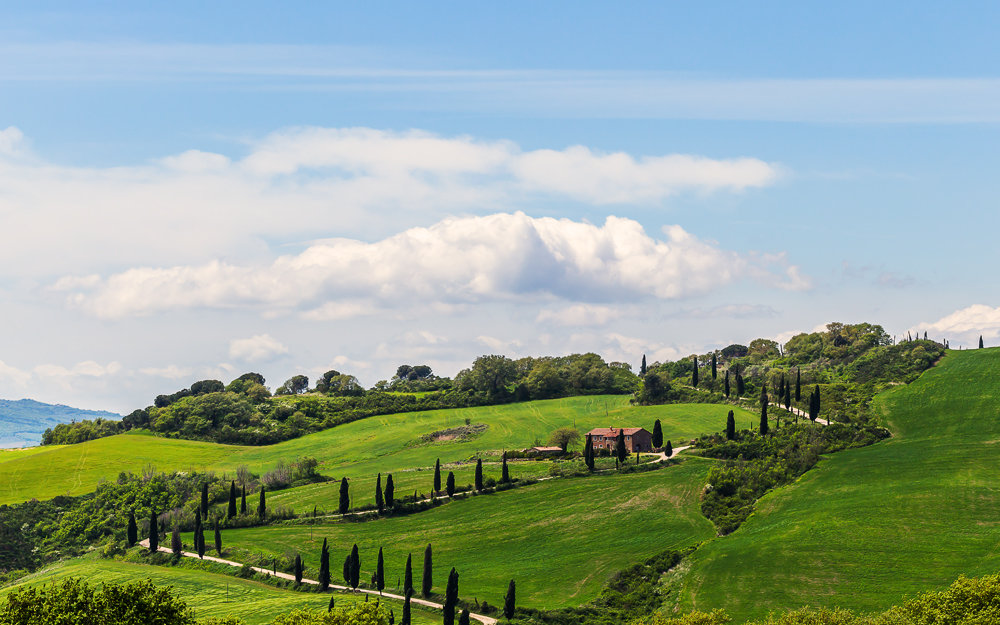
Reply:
x=868, y=527
x=561, y=539
x=210, y=594
x=359, y=449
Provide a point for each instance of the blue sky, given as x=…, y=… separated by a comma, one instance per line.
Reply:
x=194, y=191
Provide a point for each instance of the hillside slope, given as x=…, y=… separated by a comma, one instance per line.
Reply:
x=868, y=527
x=23, y=421
x=360, y=449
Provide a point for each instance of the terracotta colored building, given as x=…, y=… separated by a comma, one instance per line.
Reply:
x=636, y=439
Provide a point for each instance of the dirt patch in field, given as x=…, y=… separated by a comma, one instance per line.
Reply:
x=460, y=433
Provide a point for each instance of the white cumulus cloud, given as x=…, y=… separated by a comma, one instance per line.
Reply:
x=257, y=348
x=469, y=259
x=964, y=325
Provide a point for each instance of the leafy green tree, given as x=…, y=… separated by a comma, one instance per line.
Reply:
x=479, y=474
x=504, y=472
x=451, y=597
x=75, y=602
x=731, y=426
x=727, y=383
x=132, y=533
x=408, y=575
x=232, y=500
x=345, y=496
x=324, y=567
x=657, y=434
x=379, y=501
x=508, y=601
x=715, y=370
x=390, y=491
x=154, y=533
x=427, y=580
x=564, y=437
x=437, y=476
x=380, y=572
x=450, y=484
x=621, y=453
x=293, y=385
x=763, y=411
x=588, y=452
x=218, y=539
x=261, y=505
x=204, y=501
x=694, y=372
x=243, y=501
x=489, y=375
x=175, y=542
x=355, y=567
x=298, y=569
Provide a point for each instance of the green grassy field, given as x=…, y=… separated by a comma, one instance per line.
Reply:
x=868, y=527
x=357, y=450
x=561, y=539
x=210, y=594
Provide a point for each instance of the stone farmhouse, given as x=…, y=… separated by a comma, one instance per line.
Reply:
x=636, y=439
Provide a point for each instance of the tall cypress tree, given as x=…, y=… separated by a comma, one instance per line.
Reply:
x=715, y=372
x=380, y=571
x=408, y=575
x=261, y=505
x=154, y=533
x=463, y=617
x=243, y=501
x=620, y=452
x=347, y=569
x=298, y=569
x=588, y=452
x=508, y=601
x=175, y=541
x=818, y=406
x=449, y=485
x=345, y=496
x=390, y=491
x=504, y=473
x=426, y=581
x=437, y=476
x=451, y=597
x=132, y=533
x=788, y=396
x=669, y=449
x=324, y=567
x=204, y=501
x=657, y=434
x=406, y=610
x=218, y=538
x=642, y=367
x=798, y=384
x=741, y=387
x=980, y=341
x=479, y=474
x=727, y=383
x=731, y=426
x=232, y=500
x=763, y=411
x=694, y=373
x=355, y=567
x=199, y=536
x=379, y=501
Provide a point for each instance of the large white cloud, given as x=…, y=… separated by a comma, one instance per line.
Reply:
x=966, y=324
x=470, y=259
x=257, y=348
x=297, y=184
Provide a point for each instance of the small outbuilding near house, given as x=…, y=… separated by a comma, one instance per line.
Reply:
x=636, y=439
x=543, y=451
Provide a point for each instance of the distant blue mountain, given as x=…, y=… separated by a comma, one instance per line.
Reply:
x=23, y=421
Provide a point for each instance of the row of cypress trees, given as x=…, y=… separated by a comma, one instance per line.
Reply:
x=132, y=535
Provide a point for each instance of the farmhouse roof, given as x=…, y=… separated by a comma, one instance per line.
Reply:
x=609, y=432
x=545, y=449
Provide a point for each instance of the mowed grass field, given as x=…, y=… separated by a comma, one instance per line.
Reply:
x=560, y=539
x=868, y=527
x=357, y=450
x=209, y=594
